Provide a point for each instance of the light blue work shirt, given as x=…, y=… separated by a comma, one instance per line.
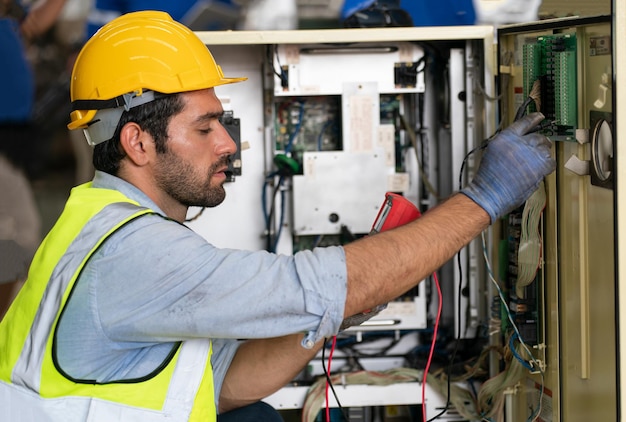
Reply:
x=155, y=282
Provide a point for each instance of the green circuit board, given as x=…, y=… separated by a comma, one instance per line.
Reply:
x=551, y=59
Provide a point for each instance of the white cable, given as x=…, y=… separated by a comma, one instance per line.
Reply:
x=529, y=252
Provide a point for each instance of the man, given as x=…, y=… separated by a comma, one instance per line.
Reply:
x=129, y=315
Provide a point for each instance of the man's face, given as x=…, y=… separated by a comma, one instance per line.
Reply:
x=192, y=171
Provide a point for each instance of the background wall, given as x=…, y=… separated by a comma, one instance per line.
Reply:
x=557, y=8
x=560, y=8
x=501, y=12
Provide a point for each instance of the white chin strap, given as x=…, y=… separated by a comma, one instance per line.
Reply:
x=102, y=127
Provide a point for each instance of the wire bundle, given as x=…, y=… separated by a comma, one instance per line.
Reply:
x=491, y=394
x=316, y=394
x=463, y=399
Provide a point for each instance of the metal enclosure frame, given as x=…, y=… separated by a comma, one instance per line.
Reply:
x=579, y=268
x=619, y=81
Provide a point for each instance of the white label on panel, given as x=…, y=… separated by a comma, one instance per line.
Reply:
x=292, y=54
x=361, y=123
x=310, y=89
x=387, y=140
x=405, y=52
x=398, y=182
x=309, y=166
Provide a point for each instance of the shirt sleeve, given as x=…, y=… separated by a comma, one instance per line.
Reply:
x=158, y=281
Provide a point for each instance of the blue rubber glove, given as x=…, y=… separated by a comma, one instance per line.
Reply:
x=512, y=165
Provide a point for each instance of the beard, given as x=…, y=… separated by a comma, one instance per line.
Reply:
x=188, y=186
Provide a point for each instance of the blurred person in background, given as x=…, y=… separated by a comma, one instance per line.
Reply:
x=197, y=15
x=20, y=222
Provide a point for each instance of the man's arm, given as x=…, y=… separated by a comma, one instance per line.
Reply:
x=386, y=265
x=261, y=367
x=380, y=268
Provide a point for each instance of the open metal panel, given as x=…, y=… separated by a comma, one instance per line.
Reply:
x=569, y=315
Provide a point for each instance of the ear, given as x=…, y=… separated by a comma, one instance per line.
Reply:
x=137, y=143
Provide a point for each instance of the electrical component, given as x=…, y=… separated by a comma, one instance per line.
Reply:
x=233, y=127
x=551, y=59
x=405, y=74
x=308, y=124
x=395, y=211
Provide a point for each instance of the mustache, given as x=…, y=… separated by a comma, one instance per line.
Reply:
x=224, y=162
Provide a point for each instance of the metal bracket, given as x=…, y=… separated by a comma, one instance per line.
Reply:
x=577, y=166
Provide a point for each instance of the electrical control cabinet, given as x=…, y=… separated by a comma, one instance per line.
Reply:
x=327, y=123
x=329, y=120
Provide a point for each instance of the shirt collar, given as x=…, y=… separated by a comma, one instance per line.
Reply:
x=108, y=181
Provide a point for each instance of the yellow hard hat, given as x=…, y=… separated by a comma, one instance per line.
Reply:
x=137, y=52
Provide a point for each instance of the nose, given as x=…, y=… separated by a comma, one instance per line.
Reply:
x=225, y=144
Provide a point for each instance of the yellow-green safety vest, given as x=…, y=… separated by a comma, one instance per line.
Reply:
x=31, y=387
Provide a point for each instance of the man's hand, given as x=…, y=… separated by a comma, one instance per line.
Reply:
x=513, y=164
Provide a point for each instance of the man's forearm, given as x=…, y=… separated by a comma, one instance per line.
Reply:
x=384, y=266
x=380, y=268
x=261, y=367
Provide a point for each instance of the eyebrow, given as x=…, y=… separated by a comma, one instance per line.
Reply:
x=209, y=116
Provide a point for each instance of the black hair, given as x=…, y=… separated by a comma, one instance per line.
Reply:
x=153, y=117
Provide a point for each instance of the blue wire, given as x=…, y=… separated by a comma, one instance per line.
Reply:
x=266, y=215
x=516, y=331
x=282, y=214
x=280, y=182
x=524, y=363
x=297, y=129
x=268, y=178
x=321, y=135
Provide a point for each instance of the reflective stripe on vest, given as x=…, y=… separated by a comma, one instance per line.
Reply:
x=30, y=385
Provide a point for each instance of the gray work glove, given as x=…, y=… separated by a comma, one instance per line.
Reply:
x=512, y=165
